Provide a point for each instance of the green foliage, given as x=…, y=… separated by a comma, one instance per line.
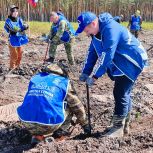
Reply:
x=137, y=115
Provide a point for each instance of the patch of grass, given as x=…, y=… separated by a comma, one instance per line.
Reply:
x=38, y=28
x=145, y=25
x=137, y=115
x=1, y=25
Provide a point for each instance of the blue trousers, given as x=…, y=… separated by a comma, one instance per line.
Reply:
x=122, y=92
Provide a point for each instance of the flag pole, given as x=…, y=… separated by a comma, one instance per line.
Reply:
x=29, y=19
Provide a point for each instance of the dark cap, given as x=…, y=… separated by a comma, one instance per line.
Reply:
x=13, y=7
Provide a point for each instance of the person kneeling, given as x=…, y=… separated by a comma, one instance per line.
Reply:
x=49, y=105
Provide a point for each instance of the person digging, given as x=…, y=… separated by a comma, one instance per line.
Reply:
x=115, y=51
x=61, y=32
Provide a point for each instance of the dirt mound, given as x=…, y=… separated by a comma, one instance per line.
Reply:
x=14, y=138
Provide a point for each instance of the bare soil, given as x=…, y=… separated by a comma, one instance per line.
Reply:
x=15, y=139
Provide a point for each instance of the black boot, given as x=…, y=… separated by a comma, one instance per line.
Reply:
x=50, y=59
x=87, y=129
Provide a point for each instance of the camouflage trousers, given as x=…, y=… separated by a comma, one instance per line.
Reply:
x=39, y=129
x=68, y=49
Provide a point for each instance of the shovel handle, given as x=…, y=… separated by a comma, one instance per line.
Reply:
x=88, y=106
x=46, y=52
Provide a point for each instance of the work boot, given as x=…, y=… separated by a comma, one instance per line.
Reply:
x=50, y=59
x=117, y=128
x=127, y=122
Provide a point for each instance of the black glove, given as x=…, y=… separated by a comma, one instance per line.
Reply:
x=83, y=77
x=87, y=129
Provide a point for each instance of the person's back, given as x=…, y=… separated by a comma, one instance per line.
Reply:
x=135, y=22
x=44, y=101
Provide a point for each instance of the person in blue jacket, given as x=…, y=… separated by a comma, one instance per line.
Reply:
x=115, y=51
x=61, y=32
x=15, y=27
x=135, y=23
x=119, y=19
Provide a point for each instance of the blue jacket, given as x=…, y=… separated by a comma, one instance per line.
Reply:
x=16, y=39
x=135, y=22
x=44, y=102
x=116, y=51
x=66, y=34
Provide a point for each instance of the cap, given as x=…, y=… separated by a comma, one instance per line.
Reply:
x=84, y=19
x=13, y=7
x=137, y=12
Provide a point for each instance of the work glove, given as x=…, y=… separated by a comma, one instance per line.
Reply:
x=83, y=77
x=48, y=40
x=87, y=129
x=26, y=26
x=90, y=81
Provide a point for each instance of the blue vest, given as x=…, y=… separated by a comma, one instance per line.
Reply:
x=135, y=22
x=44, y=102
x=18, y=39
x=66, y=34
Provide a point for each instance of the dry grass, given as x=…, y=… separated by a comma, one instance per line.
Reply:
x=39, y=28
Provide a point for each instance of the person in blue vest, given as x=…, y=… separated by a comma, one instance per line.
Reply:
x=61, y=32
x=115, y=51
x=15, y=27
x=135, y=23
x=50, y=104
x=119, y=19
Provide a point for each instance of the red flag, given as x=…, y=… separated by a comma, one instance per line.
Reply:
x=33, y=3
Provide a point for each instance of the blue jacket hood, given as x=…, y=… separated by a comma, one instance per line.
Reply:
x=104, y=19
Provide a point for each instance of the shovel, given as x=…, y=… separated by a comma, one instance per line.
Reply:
x=46, y=51
x=88, y=107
